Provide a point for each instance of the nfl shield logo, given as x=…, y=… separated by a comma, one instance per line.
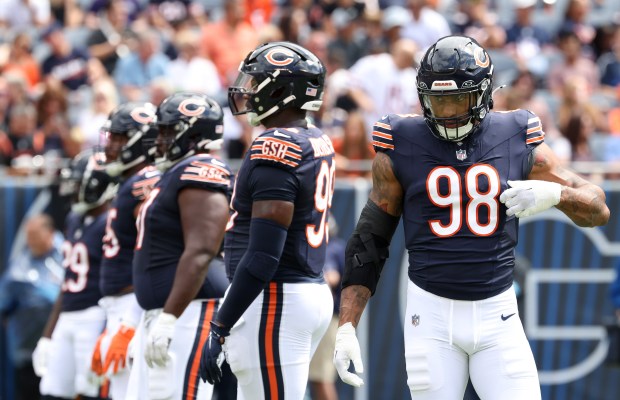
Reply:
x=415, y=320
x=461, y=155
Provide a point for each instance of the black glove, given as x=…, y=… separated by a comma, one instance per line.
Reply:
x=212, y=356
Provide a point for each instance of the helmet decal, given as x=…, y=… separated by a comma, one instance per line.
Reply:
x=288, y=59
x=481, y=58
x=142, y=115
x=192, y=107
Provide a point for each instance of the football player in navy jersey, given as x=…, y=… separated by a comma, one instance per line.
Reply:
x=178, y=270
x=77, y=319
x=278, y=306
x=460, y=176
x=127, y=132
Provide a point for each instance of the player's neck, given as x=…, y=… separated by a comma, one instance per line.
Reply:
x=133, y=170
x=286, y=118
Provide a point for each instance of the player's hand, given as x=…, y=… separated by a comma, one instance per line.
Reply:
x=158, y=340
x=96, y=364
x=117, y=352
x=40, y=356
x=212, y=354
x=348, y=350
x=527, y=198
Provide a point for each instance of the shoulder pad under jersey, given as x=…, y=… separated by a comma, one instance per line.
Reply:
x=277, y=148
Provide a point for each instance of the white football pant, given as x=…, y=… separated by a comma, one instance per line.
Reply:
x=74, y=337
x=270, y=348
x=447, y=341
x=179, y=379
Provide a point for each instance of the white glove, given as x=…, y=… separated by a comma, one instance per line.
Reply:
x=526, y=198
x=158, y=340
x=40, y=356
x=347, y=350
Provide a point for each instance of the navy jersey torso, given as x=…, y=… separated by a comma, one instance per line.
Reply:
x=460, y=242
x=160, y=242
x=82, y=260
x=120, y=237
x=303, y=162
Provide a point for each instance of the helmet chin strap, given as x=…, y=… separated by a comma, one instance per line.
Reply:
x=116, y=168
x=255, y=120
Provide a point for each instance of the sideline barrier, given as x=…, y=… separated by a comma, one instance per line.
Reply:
x=566, y=295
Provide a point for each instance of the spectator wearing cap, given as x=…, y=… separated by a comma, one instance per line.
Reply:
x=65, y=64
x=109, y=41
x=393, y=20
x=426, y=25
x=477, y=19
x=144, y=64
x=526, y=41
x=347, y=40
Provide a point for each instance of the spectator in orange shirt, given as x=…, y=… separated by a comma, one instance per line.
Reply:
x=229, y=40
x=20, y=60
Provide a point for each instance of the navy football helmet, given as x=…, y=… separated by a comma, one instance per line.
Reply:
x=87, y=181
x=127, y=131
x=188, y=123
x=456, y=71
x=275, y=76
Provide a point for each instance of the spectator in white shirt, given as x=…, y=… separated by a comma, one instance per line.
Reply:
x=190, y=71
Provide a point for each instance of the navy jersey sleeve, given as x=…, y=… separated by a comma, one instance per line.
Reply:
x=382, y=140
x=276, y=148
x=206, y=174
x=273, y=183
x=534, y=134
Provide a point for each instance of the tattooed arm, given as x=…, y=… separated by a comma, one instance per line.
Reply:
x=582, y=201
x=386, y=197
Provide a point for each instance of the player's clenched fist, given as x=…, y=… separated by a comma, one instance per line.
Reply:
x=526, y=198
x=212, y=354
x=348, y=350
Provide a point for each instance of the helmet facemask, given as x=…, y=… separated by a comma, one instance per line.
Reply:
x=467, y=106
x=95, y=187
x=454, y=82
x=123, y=134
x=246, y=96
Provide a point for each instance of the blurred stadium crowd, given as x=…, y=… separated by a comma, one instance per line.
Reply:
x=65, y=64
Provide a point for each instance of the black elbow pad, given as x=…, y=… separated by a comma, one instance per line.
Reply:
x=365, y=257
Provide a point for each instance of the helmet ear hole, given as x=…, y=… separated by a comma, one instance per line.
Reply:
x=277, y=92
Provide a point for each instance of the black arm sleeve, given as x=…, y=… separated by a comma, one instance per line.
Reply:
x=367, y=248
